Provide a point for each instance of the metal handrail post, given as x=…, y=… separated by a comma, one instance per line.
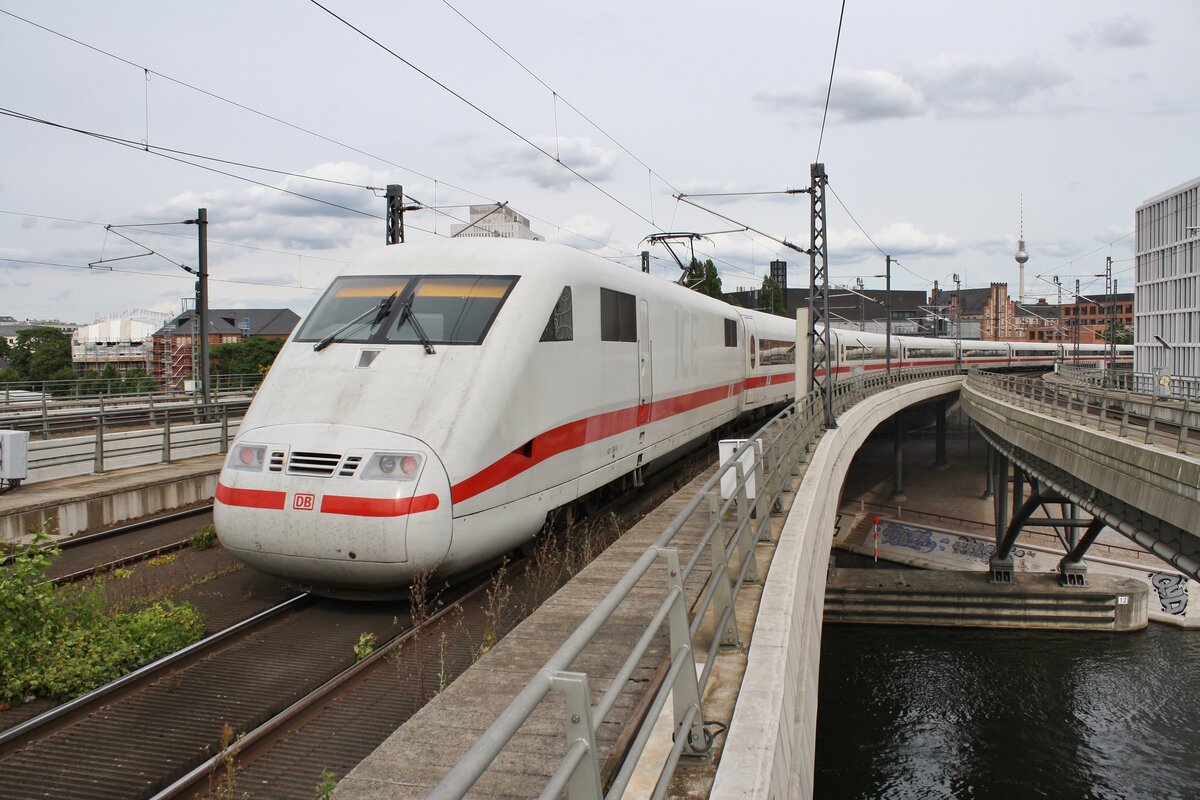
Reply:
x=761, y=507
x=1150, y=426
x=224, y=429
x=745, y=547
x=584, y=781
x=98, y=465
x=166, y=446
x=1181, y=445
x=723, y=595
x=1124, y=416
x=685, y=692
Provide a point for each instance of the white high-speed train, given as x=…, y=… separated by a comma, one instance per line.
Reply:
x=437, y=403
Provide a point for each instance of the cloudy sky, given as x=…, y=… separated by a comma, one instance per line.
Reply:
x=943, y=116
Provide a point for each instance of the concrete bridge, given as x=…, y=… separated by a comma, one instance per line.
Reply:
x=1142, y=480
x=1142, y=488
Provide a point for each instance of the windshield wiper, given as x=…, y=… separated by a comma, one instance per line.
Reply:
x=380, y=311
x=406, y=312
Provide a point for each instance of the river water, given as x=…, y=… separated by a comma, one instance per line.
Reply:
x=910, y=712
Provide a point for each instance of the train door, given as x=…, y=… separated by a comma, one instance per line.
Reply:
x=754, y=390
x=645, y=364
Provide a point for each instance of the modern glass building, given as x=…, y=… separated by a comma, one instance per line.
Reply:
x=1167, y=285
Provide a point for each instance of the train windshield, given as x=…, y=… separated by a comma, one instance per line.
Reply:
x=449, y=309
x=348, y=303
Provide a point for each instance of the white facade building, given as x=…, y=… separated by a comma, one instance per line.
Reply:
x=1167, y=284
x=492, y=221
x=122, y=340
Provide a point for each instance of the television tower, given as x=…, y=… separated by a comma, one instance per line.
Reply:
x=1021, y=256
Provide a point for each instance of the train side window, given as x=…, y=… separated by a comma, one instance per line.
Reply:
x=731, y=333
x=560, y=326
x=618, y=317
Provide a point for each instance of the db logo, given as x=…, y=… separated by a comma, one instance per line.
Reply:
x=304, y=502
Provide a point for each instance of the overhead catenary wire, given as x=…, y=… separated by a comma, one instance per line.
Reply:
x=558, y=97
x=829, y=91
x=265, y=115
x=172, y=275
x=155, y=152
x=189, y=237
x=477, y=108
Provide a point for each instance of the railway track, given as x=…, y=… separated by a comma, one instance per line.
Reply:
x=285, y=689
x=93, y=554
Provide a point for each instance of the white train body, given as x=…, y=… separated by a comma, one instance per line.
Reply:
x=365, y=459
x=554, y=372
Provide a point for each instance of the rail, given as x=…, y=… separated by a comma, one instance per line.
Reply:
x=1126, y=414
x=775, y=451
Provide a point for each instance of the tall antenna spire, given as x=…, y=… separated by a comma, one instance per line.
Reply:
x=1021, y=256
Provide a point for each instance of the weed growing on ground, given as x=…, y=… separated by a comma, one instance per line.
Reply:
x=497, y=606
x=364, y=646
x=204, y=538
x=61, y=643
x=226, y=788
x=326, y=785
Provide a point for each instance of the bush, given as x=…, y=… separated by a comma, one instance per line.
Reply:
x=61, y=643
x=204, y=538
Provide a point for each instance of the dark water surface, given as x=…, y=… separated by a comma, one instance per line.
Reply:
x=945, y=713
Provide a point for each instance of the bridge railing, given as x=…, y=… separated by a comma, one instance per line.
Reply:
x=114, y=445
x=775, y=451
x=1148, y=418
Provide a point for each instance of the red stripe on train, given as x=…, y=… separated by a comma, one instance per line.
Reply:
x=376, y=506
x=250, y=498
x=576, y=434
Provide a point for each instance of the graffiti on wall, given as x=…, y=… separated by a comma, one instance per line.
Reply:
x=925, y=541
x=1172, y=592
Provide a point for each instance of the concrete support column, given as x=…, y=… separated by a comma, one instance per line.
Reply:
x=940, y=461
x=898, y=459
x=990, y=472
x=1001, y=568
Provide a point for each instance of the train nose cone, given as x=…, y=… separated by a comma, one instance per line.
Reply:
x=334, y=505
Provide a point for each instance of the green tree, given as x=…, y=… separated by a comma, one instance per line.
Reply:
x=138, y=381
x=3, y=347
x=771, y=299
x=1122, y=332
x=249, y=356
x=703, y=277
x=40, y=354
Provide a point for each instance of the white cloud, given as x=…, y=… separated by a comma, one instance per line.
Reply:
x=969, y=85
x=580, y=153
x=896, y=239
x=1123, y=31
x=585, y=232
x=858, y=96
x=950, y=85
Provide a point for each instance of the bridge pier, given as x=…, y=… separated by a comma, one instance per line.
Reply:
x=939, y=460
x=898, y=459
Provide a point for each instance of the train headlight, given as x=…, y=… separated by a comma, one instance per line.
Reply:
x=393, y=467
x=247, y=457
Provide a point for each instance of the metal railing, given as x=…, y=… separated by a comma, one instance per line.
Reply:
x=207, y=433
x=1178, y=387
x=1150, y=418
x=63, y=393
x=50, y=418
x=776, y=450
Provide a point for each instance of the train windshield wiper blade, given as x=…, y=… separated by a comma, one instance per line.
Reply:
x=380, y=311
x=406, y=313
